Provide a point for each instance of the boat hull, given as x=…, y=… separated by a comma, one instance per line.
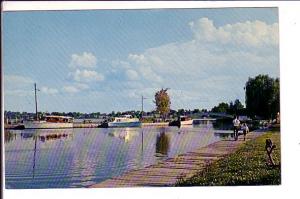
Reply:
x=124, y=124
x=47, y=125
x=188, y=122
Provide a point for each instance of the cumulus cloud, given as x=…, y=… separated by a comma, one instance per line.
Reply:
x=85, y=60
x=75, y=88
x=70, y=89
x=132, y=74
x=86, y=75
x=17, y=81
x=49, y=91
x=17, y=85
x=252, y=33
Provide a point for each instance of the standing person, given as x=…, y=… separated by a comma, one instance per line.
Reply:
x=245, y=130
x=236, y=126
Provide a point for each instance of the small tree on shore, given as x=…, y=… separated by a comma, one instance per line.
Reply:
x=162, y=102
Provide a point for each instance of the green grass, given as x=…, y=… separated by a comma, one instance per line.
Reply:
x=245, y=167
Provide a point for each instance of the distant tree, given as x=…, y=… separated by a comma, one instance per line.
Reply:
x=221, y=108
x=162, y=102
x=204, y=110
x=196, y=110
x=236, y=108
x=262, y=96
x=181, y=112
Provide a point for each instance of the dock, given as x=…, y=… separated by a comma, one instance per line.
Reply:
x=181, y=166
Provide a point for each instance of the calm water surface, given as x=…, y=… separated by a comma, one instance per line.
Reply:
x=82, y=157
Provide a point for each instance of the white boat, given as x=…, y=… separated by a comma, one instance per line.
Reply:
x=125, y=121
x=184, y=120
x=50, y=122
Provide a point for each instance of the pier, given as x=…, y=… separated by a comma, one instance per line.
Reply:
x=182, y=166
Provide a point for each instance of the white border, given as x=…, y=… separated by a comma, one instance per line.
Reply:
x=93, y=5
x=289, y=23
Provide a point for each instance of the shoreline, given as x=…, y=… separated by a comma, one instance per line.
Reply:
x=181, y=167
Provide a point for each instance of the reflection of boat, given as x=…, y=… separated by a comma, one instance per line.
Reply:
x=46, y=135
x=124, y=134
x=125, y=121
x=50, y=122
x=54, y=134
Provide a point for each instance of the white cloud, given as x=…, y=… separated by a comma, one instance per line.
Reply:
x=17, y=81
x=86, y=75
x=252, y=33
x=132, y=74
x=75, y=88
x=17, y=85
x=49, y=91
x=70, y=89
x=81, y=86
x=18, y=93
x=85, y=60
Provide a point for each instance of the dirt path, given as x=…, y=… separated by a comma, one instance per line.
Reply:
x=182, y=166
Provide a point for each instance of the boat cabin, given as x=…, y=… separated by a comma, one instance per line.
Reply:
x=58, y=119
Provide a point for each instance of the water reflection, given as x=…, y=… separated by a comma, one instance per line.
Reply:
x=126, y=134
x=162, y=142
x=223, y=134
x=9, y=136
x=49, y=159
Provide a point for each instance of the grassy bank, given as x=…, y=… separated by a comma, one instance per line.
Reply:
x=245, y=167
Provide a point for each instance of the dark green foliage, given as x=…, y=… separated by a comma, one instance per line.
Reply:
x=262, y=96
x=221, y=108
x=245, y=167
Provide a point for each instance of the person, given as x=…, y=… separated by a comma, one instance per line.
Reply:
x=236, y=126
x=245, y=130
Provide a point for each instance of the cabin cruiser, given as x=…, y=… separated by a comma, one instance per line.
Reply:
x=182, y=121
x=125, y=121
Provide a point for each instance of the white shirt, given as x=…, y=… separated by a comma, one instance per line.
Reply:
x=236, y=122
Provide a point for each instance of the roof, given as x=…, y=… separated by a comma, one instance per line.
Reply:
x=58, y=116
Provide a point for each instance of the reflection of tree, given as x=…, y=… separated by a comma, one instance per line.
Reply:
x=223, y=124
x=9, y=136
x=162, y=143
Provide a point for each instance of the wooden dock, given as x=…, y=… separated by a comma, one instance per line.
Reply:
x=182, y=166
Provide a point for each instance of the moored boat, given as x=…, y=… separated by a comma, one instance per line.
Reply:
x=182, y=121
x=125, y=121
x=50, y=122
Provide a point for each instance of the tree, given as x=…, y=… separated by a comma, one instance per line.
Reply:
x=221, y=108
x=162, y=102
x=236, y=108
x=262, y=96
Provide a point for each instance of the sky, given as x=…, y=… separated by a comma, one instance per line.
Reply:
x=105, y=60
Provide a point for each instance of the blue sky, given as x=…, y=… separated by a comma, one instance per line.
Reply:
x=104, y=60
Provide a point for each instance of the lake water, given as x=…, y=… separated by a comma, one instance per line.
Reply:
x=82, y=157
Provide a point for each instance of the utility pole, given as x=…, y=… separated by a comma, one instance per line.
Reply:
x=142, y=106
x=36, y=111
